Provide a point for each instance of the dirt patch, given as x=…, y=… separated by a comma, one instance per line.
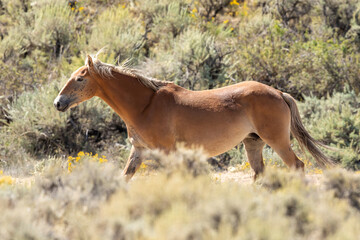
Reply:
x=246, y=178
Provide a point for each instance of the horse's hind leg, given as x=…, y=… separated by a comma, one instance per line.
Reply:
x=272, y=121
x=281, y=145
x=288, y=155
x=254, y=146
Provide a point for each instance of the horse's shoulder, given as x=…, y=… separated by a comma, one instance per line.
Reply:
x=171, y=89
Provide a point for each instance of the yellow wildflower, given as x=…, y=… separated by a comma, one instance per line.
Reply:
x=6, y=180
x=234, y=2
x=102, y=160
x=143, y=166
x=69, y=166
x=245, y=166
x=81, y=156
x=226, y=21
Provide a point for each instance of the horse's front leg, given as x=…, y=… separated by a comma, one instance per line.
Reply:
x=133, y=163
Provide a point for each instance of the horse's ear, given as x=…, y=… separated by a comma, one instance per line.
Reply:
x=89, y=62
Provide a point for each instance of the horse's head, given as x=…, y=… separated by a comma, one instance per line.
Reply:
x=80, y=87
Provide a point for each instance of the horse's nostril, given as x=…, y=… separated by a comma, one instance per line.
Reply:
x=57, y=104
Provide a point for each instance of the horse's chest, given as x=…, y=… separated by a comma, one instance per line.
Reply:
x=149, y=138
x=136, y=139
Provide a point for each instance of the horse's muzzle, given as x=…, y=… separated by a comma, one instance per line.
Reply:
x=61, y=103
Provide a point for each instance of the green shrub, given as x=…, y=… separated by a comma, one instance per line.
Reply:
x=88, y=184
x=119, y=31
x=344, y=186
x=171, y=21
x=339, y=14
x=39, y=34
x=294, y=14
x=335, y=121
x=163, y=20
x=48, y=26
x=209, y=9
x=186, y=161
x=57, y=196
x=195, y=60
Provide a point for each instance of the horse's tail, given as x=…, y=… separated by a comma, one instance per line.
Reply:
x=303, y=137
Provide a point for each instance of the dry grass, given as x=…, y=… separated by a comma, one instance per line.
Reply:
x=177, y=197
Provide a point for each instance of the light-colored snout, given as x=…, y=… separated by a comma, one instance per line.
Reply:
x=62, y=103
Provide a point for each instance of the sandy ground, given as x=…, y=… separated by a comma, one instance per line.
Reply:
x=242, y=177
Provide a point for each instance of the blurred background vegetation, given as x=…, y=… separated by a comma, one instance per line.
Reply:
x=308, y=48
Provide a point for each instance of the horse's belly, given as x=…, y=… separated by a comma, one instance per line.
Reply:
x=219, y=146
x=218, y=139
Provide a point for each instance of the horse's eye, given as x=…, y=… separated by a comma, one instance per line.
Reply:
x=79, y=79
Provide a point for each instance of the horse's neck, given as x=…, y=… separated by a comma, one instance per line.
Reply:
x=126, y=95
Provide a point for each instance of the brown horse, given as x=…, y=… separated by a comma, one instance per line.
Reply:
x=160, y=114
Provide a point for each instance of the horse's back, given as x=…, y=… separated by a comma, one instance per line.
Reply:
x=230, y=98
